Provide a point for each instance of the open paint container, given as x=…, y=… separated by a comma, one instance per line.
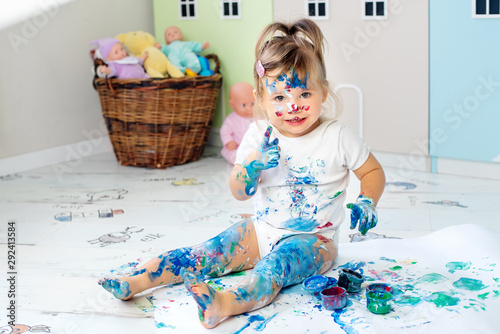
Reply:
x=379, y=301
x=316, y=283
x=350, y=280
x=334, y=298
x=379, y=287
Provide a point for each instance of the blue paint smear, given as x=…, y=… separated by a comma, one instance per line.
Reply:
x=262, y=326
x=356, y=266
x=294, y=81
x=301, y=224
x=211, y=251
x=346, y=327
x=251, y=319
x=292, y=260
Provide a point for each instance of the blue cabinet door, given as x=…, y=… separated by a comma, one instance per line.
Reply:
x=464, y=83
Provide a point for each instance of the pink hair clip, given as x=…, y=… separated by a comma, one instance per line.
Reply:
x=260, y=69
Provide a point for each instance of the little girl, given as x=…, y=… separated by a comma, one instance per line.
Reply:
x=295, y=164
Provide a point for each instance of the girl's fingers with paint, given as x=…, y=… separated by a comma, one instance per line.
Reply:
x=270, y=151
x=266, y=156
x=363, y=214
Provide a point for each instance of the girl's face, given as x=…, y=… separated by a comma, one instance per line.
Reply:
x=292, y=105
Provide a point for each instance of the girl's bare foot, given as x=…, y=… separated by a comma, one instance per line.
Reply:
x=210, y=306
x=125, y=288
x=118, y=288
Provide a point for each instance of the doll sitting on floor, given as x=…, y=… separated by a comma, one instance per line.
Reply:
x=183, y=54
x=118, y=63
x=241, y=100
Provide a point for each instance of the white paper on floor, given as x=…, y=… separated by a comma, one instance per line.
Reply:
x=449, y=280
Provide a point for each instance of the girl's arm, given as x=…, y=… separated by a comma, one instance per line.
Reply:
x=242, y=181
x=244, y=178
x=372, y=179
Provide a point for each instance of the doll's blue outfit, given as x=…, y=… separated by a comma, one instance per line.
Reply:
x=182, y=55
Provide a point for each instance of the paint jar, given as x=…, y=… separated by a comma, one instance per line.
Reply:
x=379, y=302
x=334, y=298
x=332, y=281
x=379, y=287
x=350, y=280
x=315, y=284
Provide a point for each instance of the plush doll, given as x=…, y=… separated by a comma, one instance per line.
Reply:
x=183, y=54
x=157, y=65
x=117, y=62
x=241, y=100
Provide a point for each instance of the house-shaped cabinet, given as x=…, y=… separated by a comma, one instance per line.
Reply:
x=465, y=80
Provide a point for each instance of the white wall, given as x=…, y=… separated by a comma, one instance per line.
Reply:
x=46, y=94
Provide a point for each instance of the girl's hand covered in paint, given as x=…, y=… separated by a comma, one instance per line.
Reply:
x=270, y=152
x=268, y=157
x=363, y=210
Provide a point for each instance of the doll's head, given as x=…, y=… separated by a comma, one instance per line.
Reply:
x=109, y=49
x=117, y=52
x=292, y=53
x=241, y=99
x=173, y=33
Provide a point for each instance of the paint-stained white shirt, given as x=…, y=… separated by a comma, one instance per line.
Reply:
x=306, y=191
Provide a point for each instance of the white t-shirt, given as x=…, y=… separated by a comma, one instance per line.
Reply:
x=306, y=191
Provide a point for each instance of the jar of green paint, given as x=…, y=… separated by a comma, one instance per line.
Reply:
x=379, y=302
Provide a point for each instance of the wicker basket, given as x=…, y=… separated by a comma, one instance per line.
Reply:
x=159, y=122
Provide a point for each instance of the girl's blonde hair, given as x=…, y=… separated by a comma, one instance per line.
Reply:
x=297, y=46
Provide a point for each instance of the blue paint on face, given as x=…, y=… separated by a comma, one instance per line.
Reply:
x=293, y=81
x=296, y=82
x=271, y=88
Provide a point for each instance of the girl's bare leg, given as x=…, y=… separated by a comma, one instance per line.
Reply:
x=291, y=261
x=234, y=249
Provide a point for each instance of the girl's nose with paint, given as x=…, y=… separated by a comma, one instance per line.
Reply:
x=293, y=108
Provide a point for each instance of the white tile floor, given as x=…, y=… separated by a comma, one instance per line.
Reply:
x=78, y=221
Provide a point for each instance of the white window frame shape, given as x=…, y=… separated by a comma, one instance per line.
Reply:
x=316, y=5
x=375, y=16
x=484, y=16
x=231, y=15
x=187, y=3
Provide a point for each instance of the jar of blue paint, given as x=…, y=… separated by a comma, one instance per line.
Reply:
x=332, y=281
x=315, y=284
x=350, y=280
x=334, y=298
